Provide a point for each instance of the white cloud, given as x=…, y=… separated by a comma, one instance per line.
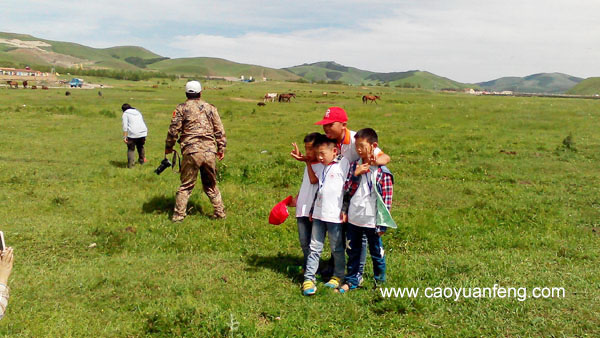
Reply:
x=474, y=42
x=464, y=40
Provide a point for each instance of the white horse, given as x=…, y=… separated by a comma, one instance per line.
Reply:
x=270, y=96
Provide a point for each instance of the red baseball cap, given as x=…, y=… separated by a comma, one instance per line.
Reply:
x=334, y=114
x=279, y=213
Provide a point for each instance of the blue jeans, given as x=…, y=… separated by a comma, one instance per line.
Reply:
x=363, y=253
x=304, y=232
x=319, y=230
x=355, y=235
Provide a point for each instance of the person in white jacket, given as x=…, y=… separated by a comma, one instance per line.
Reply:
x=134, y=134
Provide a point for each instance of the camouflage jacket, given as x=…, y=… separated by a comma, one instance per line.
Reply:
x=198, y=126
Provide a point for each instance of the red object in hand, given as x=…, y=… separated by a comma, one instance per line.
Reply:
x=279, y=213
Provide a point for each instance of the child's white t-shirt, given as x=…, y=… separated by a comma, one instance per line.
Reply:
x=363, y=205
x=330, y=193
x=307, y=192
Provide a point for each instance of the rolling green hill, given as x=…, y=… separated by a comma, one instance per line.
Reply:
x=551, y=83
x=331, y=71
x=589, y=86
x=18, y=50
x=427, y=80
x=206, y=66
x=21, y=49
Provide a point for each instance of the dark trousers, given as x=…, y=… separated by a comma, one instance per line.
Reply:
x=328, y=270
x=355, y=235
x=132, y=144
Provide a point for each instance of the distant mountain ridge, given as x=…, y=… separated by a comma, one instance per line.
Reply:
x=20, y=50
x=327, y=71
x=550, y=83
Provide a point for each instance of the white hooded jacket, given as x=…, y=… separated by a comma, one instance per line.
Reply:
x=133, y=124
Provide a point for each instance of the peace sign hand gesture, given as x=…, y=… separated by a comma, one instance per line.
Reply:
x=297, y=154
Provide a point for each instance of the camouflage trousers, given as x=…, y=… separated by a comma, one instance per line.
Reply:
x=205, y=162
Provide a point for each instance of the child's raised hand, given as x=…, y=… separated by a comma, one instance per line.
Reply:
x=296, y=153
x=372, y=159
x=361, y=169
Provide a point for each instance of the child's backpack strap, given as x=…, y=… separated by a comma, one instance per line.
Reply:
x=385, y=170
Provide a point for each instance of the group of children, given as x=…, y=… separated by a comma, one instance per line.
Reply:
x=338, y=197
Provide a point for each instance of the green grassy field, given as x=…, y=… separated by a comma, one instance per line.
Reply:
x=469, y=216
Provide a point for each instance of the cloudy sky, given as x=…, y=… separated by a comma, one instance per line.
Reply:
x=467, y=41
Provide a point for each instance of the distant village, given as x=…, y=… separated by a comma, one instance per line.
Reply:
x=479, y=92
x=25, y=74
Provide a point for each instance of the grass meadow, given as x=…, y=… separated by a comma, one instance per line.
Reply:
x=488, y=190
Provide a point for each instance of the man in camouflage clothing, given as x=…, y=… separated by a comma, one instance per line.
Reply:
x=202, y=138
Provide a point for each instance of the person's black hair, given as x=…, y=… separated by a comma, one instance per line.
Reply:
x=368, y=134
x=192, y=95
x=125, y=106
x=323, y=139
x=310, y=138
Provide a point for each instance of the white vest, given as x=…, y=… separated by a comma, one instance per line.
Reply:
x=363, y=205
x=307, y=192
x=330, y=196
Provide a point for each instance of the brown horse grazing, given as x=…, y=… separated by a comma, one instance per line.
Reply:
x=25, y=84
x=286, y=97
x=372, y=98
x=13, y=84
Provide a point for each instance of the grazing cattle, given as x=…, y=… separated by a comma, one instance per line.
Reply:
x=33, y=87
x=44, y=87
x=286, y=97
x=24, y=84
x=372, y=98
x=13, y=84
x=154, y=86
x=261, y=104
x=270, y=96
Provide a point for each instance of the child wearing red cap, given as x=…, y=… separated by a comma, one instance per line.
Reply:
x=304, y=199
x=334, y=124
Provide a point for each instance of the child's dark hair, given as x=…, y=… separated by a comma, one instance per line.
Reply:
x=192, y=95
x=368, y=134
x=125, y=106
x=323, y=139
x=310, y=138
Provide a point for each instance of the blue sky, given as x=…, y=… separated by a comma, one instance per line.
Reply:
x=468, y=41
